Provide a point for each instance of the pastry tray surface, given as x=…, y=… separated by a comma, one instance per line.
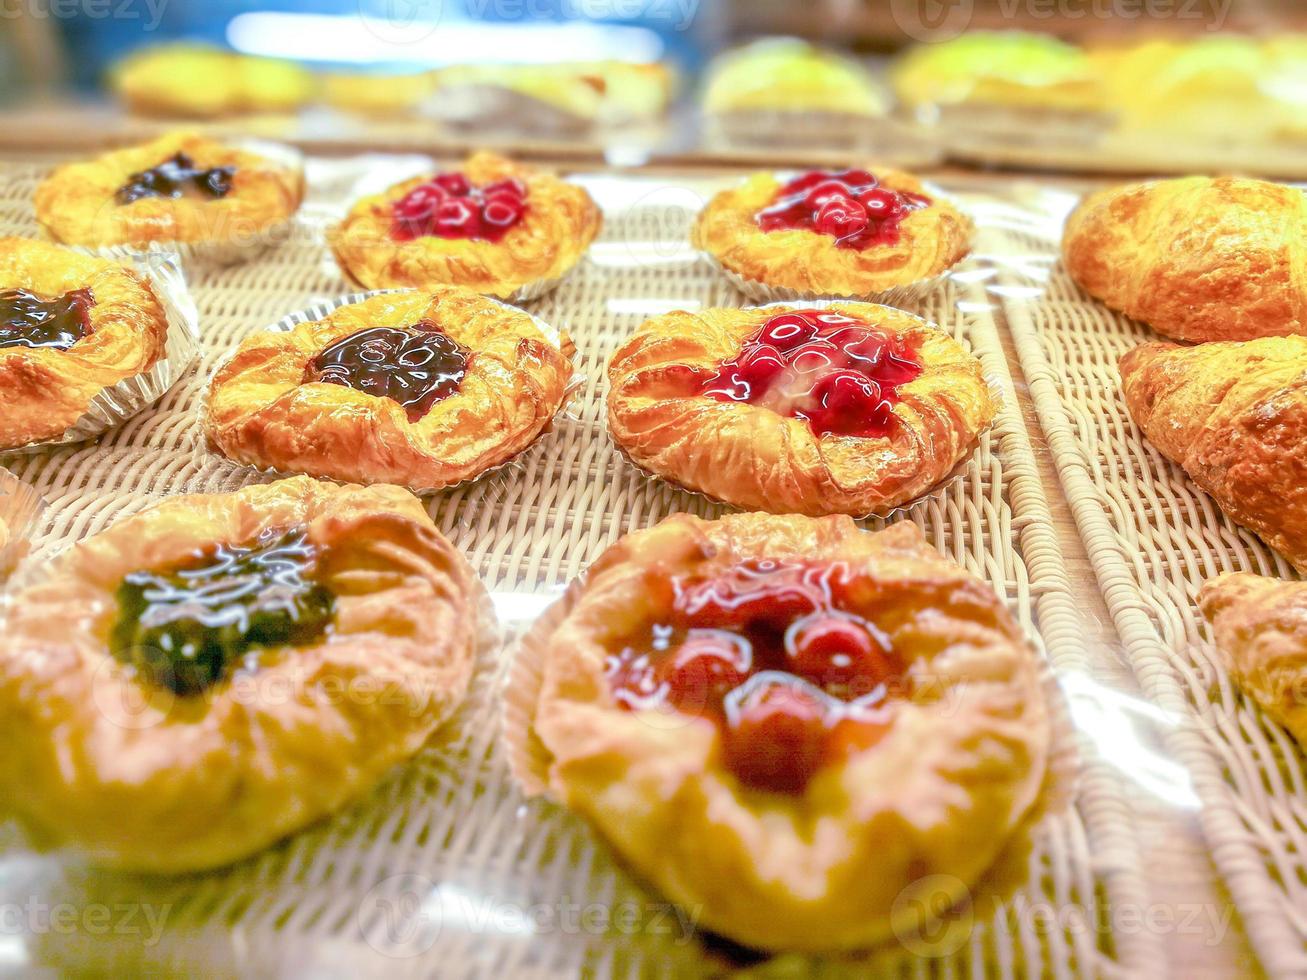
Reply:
x=1153, y=538
x=493, y=876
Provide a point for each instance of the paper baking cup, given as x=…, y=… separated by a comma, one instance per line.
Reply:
x=20, y=508
x=912, y=292
x=938, y=490
x=496, y=108
x=116, y=404
x=523, y=294
x=529, y=759
x=290, y=321
x=221, y=253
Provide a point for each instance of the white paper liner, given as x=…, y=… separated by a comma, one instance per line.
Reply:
x=485, y=106
x=938, y=490
x=223, y=253
x=319, y=311
x=885, y=135
x=529, y=760
x=20, y=508
x=116, y=404
x=523, y=294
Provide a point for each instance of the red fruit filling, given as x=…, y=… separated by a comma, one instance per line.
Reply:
x=839, y=374
x=449, y=206
x=850, y=206
x=765, y=651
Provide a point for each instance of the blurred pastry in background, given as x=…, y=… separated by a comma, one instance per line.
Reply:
x=198, y=81
x=790, y=75
x=1019, y=86
x=378, y=95
x=565, y=96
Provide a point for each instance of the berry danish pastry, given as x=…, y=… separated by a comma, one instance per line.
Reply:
x=784, y=723
x=847, y=408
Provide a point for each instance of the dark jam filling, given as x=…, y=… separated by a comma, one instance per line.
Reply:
x=850, y=206
x=769, y=653
x=27, y=320
x=415, y=366
x=449, y=206
x=839, y=374
x=189, y=628
x=176, y=177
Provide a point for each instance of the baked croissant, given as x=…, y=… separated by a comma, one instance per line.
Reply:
x=1196, y=258
x=1261, y=629
x=1234, y=415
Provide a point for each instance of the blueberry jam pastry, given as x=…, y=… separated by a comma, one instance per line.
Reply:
x=845, y=408
x=70, y=326
x=784, y=722
x=421, y=389
x=180, y=188
x=200, y=680
x=491, y=225
x=847, y=233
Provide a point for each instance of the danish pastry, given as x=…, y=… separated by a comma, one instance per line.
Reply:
x=1261, y=630
x=849, y=233
x=70, y=326
x=181, y=187
x=850, y=408
x=790, y=75
x=420, y=389
x=492, y=226
x=198, y=82
x=1234, y=415
x=764, y=716
x=1195, y=258
x=225, y=669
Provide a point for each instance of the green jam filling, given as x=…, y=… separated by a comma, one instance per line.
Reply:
x=189, y=628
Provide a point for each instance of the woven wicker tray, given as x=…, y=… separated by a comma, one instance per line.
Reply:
x=441, y=870
x=1153, y=538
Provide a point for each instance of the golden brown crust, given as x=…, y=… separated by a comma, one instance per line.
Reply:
x=791, y=872
x=931, y=241
x=559, y=224
x=1234, y=415
x=76, y=205
x=211, y=778
x=753, y=457
x=517, y=379
x=44, y=390
x=1260, y=626
x=1195, y=258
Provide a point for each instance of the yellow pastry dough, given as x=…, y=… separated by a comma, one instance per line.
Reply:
x=790, y=75
x=77, y=205
x=45, y=390
x=196, y=81
x=264, y=411
x=1234, y=415
x=101, y=758
x=930, y=241
x=557, y=227
x=1195, y=258
x=752, y=456
x=951, y=782
x=1261, y=629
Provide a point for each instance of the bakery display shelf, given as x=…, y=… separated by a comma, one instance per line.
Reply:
x=446, y=869
x=1153, y=538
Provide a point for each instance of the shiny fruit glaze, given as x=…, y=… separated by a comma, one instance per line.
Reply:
x=450, y=206
x=849, y=205
x=27, y=320
x=764, y=650
x=177, y=177
x=839, y=374
x=189, y=628
x=415, y=366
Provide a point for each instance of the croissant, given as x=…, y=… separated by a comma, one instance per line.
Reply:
x=1261, y=629
x=1196, y=258
x=1234, y=415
